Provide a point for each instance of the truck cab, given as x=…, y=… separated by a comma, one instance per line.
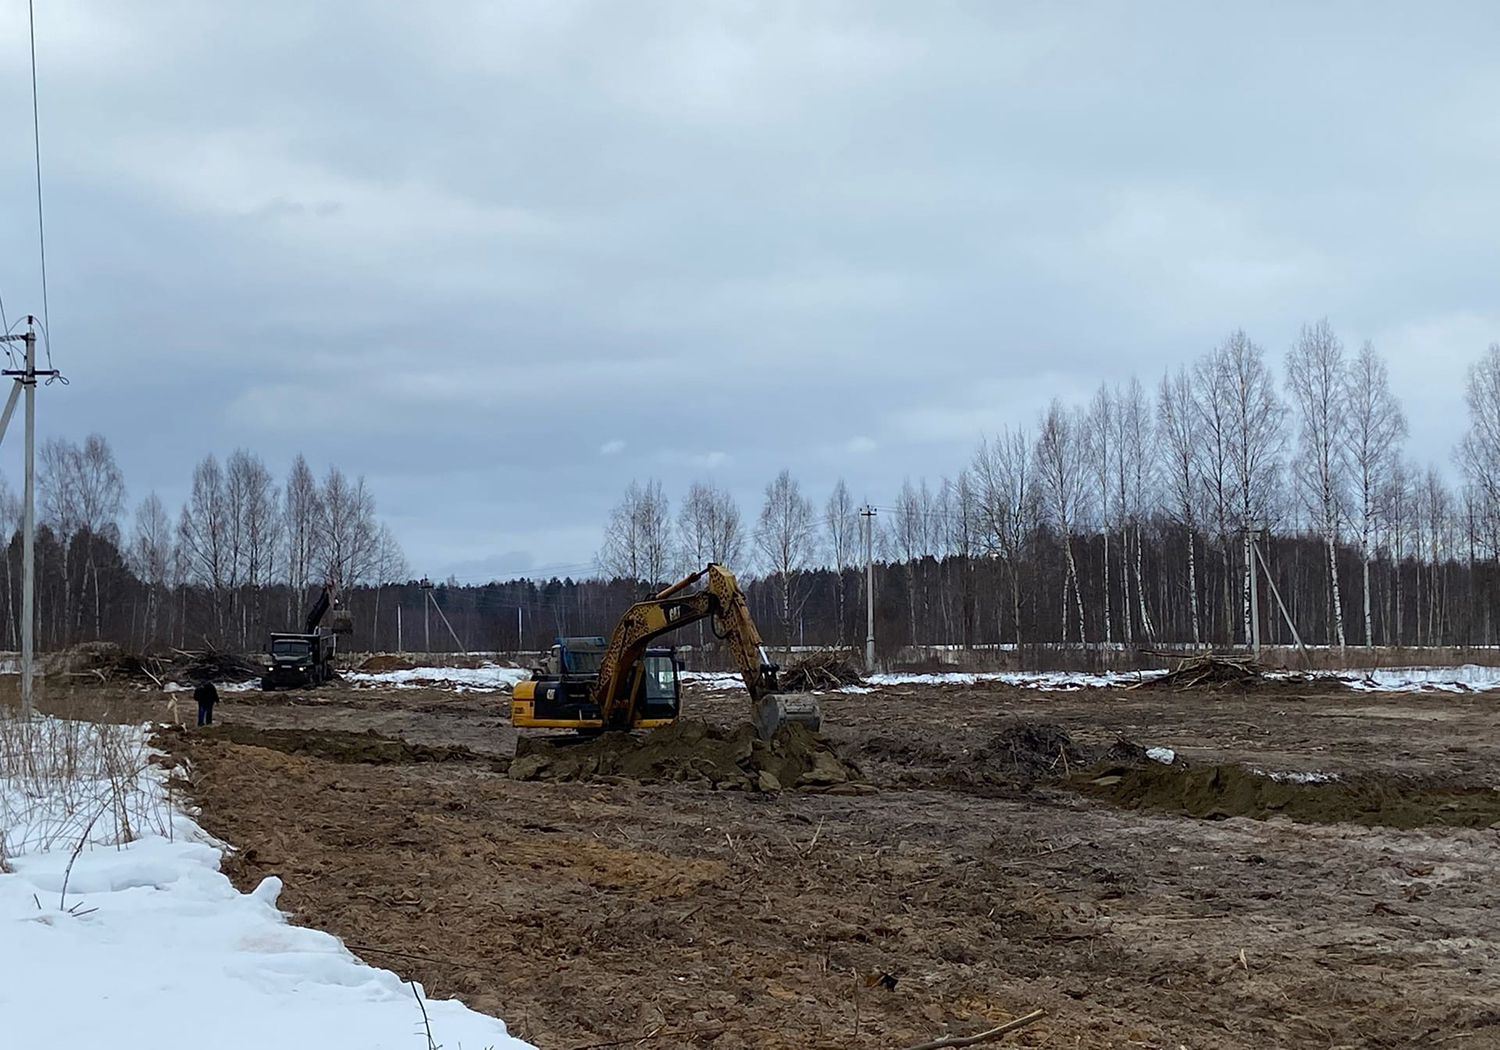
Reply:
x=299, y=660
x=557, y=696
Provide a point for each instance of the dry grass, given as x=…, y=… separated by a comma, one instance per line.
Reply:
x=70, y=777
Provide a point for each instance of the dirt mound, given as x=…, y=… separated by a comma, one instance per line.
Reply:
x=734, y=759
x=386, y=662
x=334, y=746
x=1222, y=791
x=825, y=670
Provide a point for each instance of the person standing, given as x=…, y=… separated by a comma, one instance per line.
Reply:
x=207, y=696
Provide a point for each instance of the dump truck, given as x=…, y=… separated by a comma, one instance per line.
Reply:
x=305, y=659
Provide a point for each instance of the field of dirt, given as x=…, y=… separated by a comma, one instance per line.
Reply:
x=970, y=880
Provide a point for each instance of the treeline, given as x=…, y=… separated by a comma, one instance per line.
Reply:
x=1143, y=516
x=238, y=559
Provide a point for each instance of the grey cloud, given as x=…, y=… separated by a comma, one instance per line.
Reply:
x=466, y=248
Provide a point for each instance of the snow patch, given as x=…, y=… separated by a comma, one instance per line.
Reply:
x=1164, y=755
x=152, y=934
x=487, y=678
x=1296, y=777
x=1462, y=679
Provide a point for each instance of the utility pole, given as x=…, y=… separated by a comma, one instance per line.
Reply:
x=520, y=637
x=1254, y=593
x=26, y=380
x=426, y=616
x=867, y=513
x=398, y=629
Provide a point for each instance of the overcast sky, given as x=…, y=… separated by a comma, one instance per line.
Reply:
x=501, y=258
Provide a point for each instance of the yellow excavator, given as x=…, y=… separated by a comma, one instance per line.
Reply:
x=590, y=684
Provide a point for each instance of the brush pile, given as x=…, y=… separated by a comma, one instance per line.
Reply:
x=826, y=670
x=1212, y=669
x=211, y=663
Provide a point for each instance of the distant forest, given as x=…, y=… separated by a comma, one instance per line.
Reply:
x=1133, y=520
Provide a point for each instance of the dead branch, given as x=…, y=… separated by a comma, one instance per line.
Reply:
x=982, y=1037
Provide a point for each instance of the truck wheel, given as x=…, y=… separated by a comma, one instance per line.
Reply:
x=266, y=686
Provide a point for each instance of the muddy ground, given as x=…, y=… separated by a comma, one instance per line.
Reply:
x=963, y=892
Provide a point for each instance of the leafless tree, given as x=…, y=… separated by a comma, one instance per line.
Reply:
x=256, y=530
x=1396, y=518
x=1257, y=439
x=1136, y=468
x=301, y=512
x=842, y=534
x=203, y=533
x=638, y=538
x=962, y=522
x=390, y=567
x=1478, y=454
x=708, y=527
x=1316, y=377
x=1101, y=450
x=151, y=557
x=911, y=533
x=1006, y=497
x=1212, y=404
x=786, y=537
x=1060, y=468
x=347, y=530
x=1178, y=430
x=1376, y=427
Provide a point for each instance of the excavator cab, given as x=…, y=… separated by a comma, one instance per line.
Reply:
x=558, y=695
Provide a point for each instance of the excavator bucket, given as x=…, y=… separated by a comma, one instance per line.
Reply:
x=341, y=621
x=777, y=709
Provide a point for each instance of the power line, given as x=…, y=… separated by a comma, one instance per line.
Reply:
x=41, y=229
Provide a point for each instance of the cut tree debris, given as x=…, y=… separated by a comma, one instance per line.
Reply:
x=1209, y=669
x=825, y=670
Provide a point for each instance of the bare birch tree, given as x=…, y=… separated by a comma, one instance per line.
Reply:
x=1316, y=376
x=786, y=538
x=1135, y=460
x=1376, y=427
x=1007, y=506
x=1101, y=450
x=638, y=539
x=1212, y=403
x=1060, y=467
x=1257, y=439
x=842, y=534
x=301, y=511
x=1177, y=426
x=151, y=554
x=203, y=533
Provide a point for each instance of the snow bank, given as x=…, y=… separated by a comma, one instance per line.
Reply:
x=1031, y=680
x=1411, y=679
x=487, y=678
x=1467, y=678
x=152, y=946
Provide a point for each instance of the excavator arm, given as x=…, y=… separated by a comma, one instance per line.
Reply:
x=675, y=607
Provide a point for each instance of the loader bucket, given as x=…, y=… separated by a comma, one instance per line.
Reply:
x=341, y=621
x=777, y=709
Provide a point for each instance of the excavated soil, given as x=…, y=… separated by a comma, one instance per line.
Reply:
x=608, y=911
x=1221, y=791
x=333, y=745
x=692, y=751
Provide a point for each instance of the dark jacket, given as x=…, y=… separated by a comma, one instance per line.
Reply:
x=206, y=694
